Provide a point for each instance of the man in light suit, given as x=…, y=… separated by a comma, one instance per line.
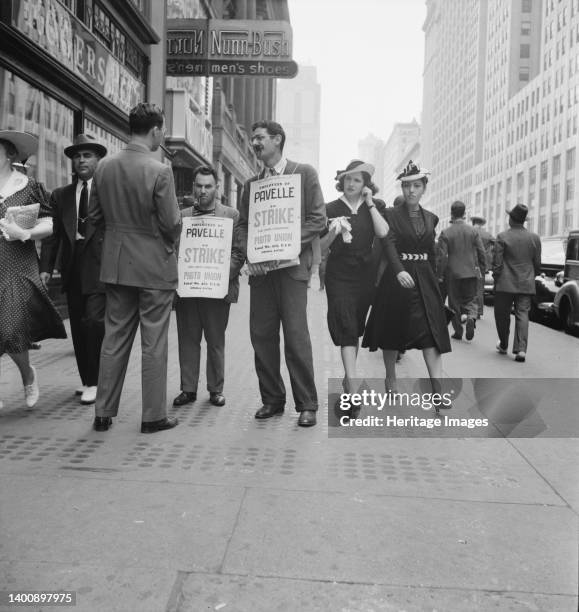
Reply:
x=461, y=256
x=80, y=259
x=197, y=316
x=516, y=262
x=134, y=199
x=279, y=296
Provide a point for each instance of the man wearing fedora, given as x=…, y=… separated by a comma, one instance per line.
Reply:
x=461, y=255
x=488, y=242
x=279, y=296
x=516, y=262
x=80, y=246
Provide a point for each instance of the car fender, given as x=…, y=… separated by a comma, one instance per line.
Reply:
x=570, y=289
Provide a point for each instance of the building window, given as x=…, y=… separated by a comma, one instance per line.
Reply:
x=556, y=165
x=526, y=28
x=555, y=193
x=532, y=175
x=544, y=169
x=542, y=225
x=569, y=190
x=568, y=220
x=554, y=223
x=525, y=51
x=542, y=196
x=524, y=74
x=571, y=159
x=526, y=6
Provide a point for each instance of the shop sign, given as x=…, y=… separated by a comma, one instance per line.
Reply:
x=230, y=47
x=48, y=24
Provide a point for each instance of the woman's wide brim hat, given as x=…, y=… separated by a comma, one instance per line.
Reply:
x=412, y=172
x=26, y=144
x=478, y=219
x=356, y=165
x=83, y=142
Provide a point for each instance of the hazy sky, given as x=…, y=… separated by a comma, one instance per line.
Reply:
x=369, y=55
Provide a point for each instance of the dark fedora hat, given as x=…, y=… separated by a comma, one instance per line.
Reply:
x=25, y=143
x=84, y=142
x=478, y=219
x=519, y=213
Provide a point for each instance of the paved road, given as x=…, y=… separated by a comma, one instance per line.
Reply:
x=228, y=513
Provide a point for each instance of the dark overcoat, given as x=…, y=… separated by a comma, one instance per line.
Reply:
x=388, y=326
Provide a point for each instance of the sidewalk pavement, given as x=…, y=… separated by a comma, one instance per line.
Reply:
x=229, y=513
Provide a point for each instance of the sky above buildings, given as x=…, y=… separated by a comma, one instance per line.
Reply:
x=370, y=56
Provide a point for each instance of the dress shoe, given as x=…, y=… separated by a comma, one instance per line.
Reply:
x=500, y=349
x=470, y=325
x=31, y=391
x=88, y=395
x=520, y=356
x=457, y=336
x=185, y=397
x=269, y=410
x=153, y=426
x=102, y=423
x=217, y=399
x=308, y=418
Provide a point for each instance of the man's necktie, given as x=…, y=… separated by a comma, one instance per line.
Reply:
x=82, y=208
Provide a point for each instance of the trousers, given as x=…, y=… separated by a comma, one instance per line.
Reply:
x=503, y=306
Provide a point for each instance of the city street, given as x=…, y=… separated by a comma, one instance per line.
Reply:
x=229, y=513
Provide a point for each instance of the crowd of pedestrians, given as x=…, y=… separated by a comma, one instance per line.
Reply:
x=114, y=233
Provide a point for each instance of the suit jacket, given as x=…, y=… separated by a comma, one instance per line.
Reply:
x=488, y=244
x=517, y=260
x=63, y=204
x=313, y=212
x=133, y=198
x=461, y=251
x=237, y=247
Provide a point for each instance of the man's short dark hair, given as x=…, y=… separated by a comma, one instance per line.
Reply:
x=457, y=209
x=145, y=116
x=272, y=128
x=205, y=171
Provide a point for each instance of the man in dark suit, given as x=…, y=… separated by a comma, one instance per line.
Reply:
x=197, y=316
x=279, y=296
x=80, y=243
x=516, y=262
x=488, y=245
x=461, y=253
x=134, y=199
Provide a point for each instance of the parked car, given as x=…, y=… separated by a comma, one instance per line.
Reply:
x=548, y=282
x=566, y=301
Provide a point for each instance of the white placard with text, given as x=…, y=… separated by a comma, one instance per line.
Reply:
x=204, y=257
x=274, y=224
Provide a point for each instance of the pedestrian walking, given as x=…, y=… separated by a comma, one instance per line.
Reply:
x=355, y=220
x=133, y=199
x=407, y=311
x=462, y=257
x=79, y=243
x=516, y=262
x=488, y=246
x=27, y=314
x=198, y=316
x=279, y=296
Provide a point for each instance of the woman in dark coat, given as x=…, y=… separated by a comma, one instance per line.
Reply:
x=354, y=220
x=408, y=311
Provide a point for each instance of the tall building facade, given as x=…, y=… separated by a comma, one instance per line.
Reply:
x=210, y=118
x=298, y=111
x=523, y=131
x=72, y=66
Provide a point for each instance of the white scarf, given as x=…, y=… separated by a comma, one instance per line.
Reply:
x=16, y=182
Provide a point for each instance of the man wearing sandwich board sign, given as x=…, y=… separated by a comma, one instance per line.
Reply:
x=211, y=255
x=280, y=267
